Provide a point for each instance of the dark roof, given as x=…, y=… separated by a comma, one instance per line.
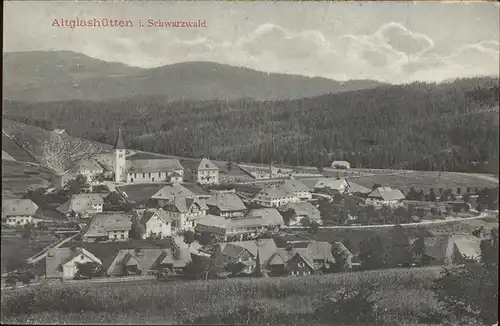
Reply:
x=152, y=165
x=119, y=144
x=226, y=202
x=148, y=214
x=102, y=223
x=139, y=193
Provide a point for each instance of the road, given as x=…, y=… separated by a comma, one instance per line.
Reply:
x=352, y=227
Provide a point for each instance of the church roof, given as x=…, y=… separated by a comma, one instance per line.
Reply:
x=119, y=140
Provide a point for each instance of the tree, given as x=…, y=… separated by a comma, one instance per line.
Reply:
x=229, y=165
x=400, y=213
x=400, y=250
x=235, y=268
x=305, y=222
x=466, y=198
x=314, y=227
x=432, y=195
x=412, y=194
x=113, y=198
x=420, y=196
x=470, y=291
x=206, y=239
x=373, y=253
x=88, y=270
x=288, y=215
x=419, y=250
x=188, y=237
x=343, y=257
x=409, y=213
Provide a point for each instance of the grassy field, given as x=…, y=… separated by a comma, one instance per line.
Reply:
x=405, y=295
x=18, y=177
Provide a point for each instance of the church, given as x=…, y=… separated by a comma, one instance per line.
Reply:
x=143, y=167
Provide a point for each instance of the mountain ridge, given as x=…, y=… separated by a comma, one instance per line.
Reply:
x=46, y=76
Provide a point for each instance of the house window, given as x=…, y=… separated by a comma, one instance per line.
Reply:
x=81, y=257
x=307, y=273
x=459, y=191
x=144, y=175
x=295, y=273
x=149, y=174
x=115, y=236
x=123, y=236
x=120, y=155
x=301, y=265
x=135, y=175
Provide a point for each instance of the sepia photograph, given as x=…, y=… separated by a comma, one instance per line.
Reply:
x=250, y=163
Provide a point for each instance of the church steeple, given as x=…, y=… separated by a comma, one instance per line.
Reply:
x=119, y=144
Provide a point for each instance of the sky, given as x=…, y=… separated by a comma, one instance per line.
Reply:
x=395, y=42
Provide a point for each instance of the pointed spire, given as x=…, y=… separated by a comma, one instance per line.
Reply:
x=119, y=140
x=258, y=268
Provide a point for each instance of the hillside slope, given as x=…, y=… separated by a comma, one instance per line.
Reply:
x=53, y=151
x=63, y=75
x=419, y=126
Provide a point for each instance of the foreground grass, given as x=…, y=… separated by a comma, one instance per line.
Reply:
x=406, y=294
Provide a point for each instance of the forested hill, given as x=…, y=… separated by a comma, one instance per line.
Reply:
x=44, y=76
x=452, y=126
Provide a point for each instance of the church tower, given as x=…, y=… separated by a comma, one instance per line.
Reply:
x=119, y=152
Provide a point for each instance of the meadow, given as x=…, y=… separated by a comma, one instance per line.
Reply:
x=406, y=299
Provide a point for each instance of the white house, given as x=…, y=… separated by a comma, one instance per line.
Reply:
x=202, y=172
x=385, y=196
x=341, y=165
x=330, y=185
x=303, y=210
x=18, y=211
x=186, y=211
x=63, y=262
x=275, y=197
x=88, y=168
x=152, y=223
x=82, y=205
x=297, y=188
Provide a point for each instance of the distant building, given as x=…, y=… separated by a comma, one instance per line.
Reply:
x=331, y=185
x=82, y=205
x=61, y=132
x=63, y=262
x=202, y=172
x=154, y=223
x=186, y=211
x=18, y=212
x=244, y=252
x=271, y=216
x=168, y=193
x=385, y=196
x=448, y=250
x=297, y=188
x=301, y=260
x=303, y=210
x=108, y=226
x=341, y=165
x=275, y=197
x=226, y=204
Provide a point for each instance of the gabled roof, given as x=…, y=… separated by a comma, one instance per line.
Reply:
x=282, y=256
x=293, y=185
x=160, y=213
x=119, y=144
x=467, y=245
x=184, y=204
x=17, y=207
x=340, y=163
x=226, y=202
x=152, y=165
x=102, y=223
x=354, y=187
x=266, y=247
x=80, y=203
x=271, y=216
x=206, y=164
x=331, y=183
x=314, y=250
x=56, y=258
x=387, y=193
x=274, y=193
x=170, y=192
x=246, y=222
x=303, y=209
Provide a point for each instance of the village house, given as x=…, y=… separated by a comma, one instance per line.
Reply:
x=331, y=186
x=154, y=223
x=356, y=189
x=18, y=212
x=150, y=261
x=385, y=196
x=63, y=262
x=203, y=172
x=108, y=226
x=82, y=205
x=271, y=216
x=274, y=197
x=302, y=260
x=224, y=229
x=186, y=211
x=226, y=204
x=168, y=193
x=244, y=252
x=448, y=249
x=61, y=131
x=297, y=188
x=341, y=165
x=303, y=210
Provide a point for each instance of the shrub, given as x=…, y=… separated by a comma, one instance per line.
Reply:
x=350, y=304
